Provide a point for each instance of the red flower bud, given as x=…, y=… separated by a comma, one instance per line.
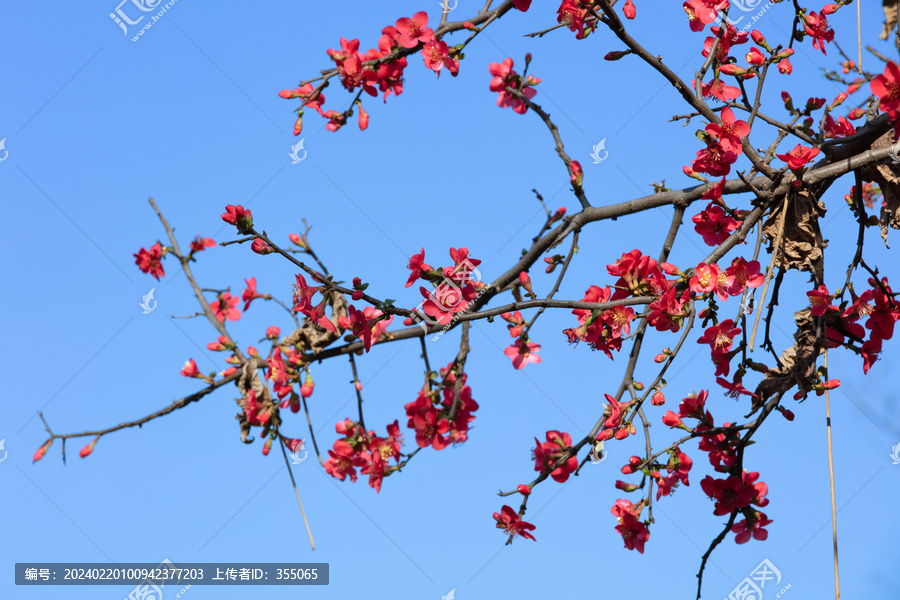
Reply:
x=89, y=448
x=273, y=333
x=523, y=489
x=658, y=399
x=306, y=389
x=42, y=451
x=626, y=487
x=267, y=446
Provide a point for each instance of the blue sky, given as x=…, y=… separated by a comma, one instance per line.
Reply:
x=189, y=114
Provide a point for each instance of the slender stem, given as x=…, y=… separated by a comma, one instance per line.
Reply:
x=837, y=584
x=299, y=501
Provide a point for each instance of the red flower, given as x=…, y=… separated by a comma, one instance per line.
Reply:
x=505, y=78
x=705, y=279
x=237, y=216
x=417, y=267
x=413, y=30
x=633, y=532
x=509, y=521
x=430, y=429
x=714, y=225
x=720, y=337
x=436, y=54
x=730, y=132
x=730, y=494
x=190, y=369
x=820, y=300
x=742, y=274
x=816, y=26
x=629, y=9
x=546, y=454
x=149, y=261
x=752, y=526
x=343, y=461
x=250, y=294
x=887, y=87
x=523, y=352
x=714, y=159
x=799, y=156
x=200, y=243
x=703, y=12
x=572, y=14
x=224, y=308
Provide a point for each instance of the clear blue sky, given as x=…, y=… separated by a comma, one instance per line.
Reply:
x=95, y=124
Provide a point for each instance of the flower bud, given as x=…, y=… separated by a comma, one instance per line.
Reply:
x=626, y=487
x=658, y=399
x=577, y=173
x=273, y=333
x=42, y=451
x=267, y=446
x=89, y=448
x=523, y=489
x=306, y=389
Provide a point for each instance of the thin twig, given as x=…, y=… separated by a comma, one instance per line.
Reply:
x=300, y=502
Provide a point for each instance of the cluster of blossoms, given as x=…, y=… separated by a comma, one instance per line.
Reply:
x=879, y=307
x=509, y=84
x=455, y=286
x=431, y=414
x=378, y=69
x=740, y=491
x=521, y=352
x=363, y=449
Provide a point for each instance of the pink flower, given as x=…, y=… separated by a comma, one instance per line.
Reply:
x=784, y=66
x=522, y=353
x=224, y=308
x=547, y=454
